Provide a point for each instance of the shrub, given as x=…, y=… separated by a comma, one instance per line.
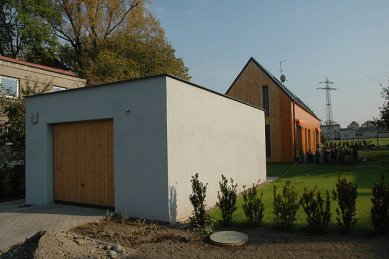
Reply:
x=253, y=206
x=17, y=180
x=346, y=195
x=227, y=200
x=380, y=207
x=197, y=198
x=285, y=206
x=317, y=209
x=3, y=178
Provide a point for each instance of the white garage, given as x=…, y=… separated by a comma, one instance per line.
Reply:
x=134, y=145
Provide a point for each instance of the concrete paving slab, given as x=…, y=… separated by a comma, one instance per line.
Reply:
x=18, y=222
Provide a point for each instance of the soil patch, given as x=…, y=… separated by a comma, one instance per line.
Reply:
x=140, y=239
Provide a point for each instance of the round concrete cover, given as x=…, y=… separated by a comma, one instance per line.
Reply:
x=229, y=238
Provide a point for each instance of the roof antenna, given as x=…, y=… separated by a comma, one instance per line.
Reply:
x=282, y=77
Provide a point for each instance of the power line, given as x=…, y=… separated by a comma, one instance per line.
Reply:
x=361, y=72
x=329, y=119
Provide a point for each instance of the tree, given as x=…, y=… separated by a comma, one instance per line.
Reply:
x=25, y=31
x=103, y=41
x=12, y=129
x=369, y=124
x=353, y=125
x=383, y=121
x=112, y=40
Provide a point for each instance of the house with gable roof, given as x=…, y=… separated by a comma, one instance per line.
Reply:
x=15, y=74
x=291, y=127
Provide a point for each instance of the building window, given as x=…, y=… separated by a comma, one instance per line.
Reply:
x=9, y=86
x=265, y=99
x=267, y=140
x=58, y=88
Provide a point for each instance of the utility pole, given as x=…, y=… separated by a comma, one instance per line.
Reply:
x=329, y=120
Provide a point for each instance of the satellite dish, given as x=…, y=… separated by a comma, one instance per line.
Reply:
x=283, y=78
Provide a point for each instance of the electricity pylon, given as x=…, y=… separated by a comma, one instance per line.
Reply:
x=329, y=119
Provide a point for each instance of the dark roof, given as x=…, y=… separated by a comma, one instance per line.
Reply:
x=277, y=82
x=26, y=63
x=145, y=78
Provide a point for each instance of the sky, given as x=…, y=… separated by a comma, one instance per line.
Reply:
x=346, y=41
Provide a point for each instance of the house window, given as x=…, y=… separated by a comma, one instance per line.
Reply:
x=267, y=140
x=265, y=99
x=9, y=86
x=58, y=88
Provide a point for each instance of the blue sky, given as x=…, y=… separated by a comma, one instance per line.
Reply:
x=348, y=41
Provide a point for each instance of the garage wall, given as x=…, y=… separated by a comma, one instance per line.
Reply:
x=210, y=135
x=138, y=110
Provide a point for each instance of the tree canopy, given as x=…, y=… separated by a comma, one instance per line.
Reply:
x=26, y=31
x=103, y=41
x=369, y=124
x=353, y=125
x=383, y=121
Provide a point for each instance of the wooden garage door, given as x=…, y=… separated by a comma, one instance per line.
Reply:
x=83, y=163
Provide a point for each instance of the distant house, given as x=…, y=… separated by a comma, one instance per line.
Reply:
x=291, y=126
x=335, y=131
x=16, y=73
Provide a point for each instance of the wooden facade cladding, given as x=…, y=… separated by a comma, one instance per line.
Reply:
x=248, y=87
x=83, y=163
x=308, y=135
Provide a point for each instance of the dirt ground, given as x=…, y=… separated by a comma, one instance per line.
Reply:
x=138, y=239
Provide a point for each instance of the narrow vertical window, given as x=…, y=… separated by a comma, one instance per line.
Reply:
x=265, y=99
x=267, y=140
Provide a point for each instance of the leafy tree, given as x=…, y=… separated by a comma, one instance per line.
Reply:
x=12, y=129
x=85, y=24
x=369, y=124
x=383, y=121
x=103, y=41
x=353, y=125
x=25, y=31
x=110, y=40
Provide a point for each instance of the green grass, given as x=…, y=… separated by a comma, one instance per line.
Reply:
x=365, y=174
x=381, y=141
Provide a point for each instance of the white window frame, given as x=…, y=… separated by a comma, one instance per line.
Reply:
x=17, y=86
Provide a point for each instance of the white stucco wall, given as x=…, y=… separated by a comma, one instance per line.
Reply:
x=172, y=131
x=211, y=135
x=140, y=151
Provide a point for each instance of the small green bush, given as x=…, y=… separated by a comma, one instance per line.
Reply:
x=253, y=206
x=227, y=200
x=380, y=207
x=317, y=209
x=17, y=180
x=346, y=195
x=197, y=198
x=285, y=206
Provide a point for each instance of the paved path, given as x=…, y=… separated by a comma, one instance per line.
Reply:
x=18, y=223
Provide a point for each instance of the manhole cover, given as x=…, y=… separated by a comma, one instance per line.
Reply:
x=229, y=238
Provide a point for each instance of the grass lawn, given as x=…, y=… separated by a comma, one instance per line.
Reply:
x=365, y=174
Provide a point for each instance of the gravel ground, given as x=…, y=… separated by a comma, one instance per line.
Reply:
x=138, y=239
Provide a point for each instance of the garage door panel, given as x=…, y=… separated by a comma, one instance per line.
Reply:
x=83, y=162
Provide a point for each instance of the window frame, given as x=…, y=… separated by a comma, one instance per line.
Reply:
x=266, y=109
x=268, y=141
x=17, y=93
